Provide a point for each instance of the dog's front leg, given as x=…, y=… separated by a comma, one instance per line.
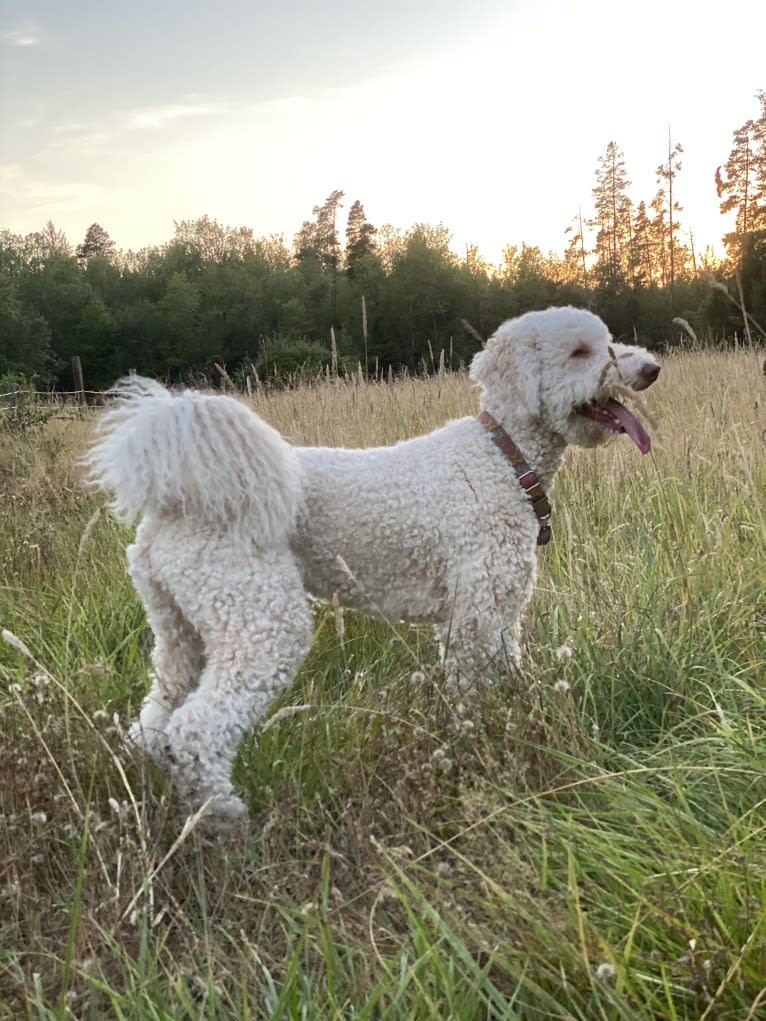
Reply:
x=476, y=652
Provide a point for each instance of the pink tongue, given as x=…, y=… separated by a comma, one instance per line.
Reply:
x=630, y=424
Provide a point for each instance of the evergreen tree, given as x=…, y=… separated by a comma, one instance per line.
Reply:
x=742, y=186
x=666, y=174
x=317, y=240
x=575, y=265
x=317, y=248
x=360, y=237
x=658, y=233
x=613, y=218
x=759, y=140
x=95, y=242
x=643, y=246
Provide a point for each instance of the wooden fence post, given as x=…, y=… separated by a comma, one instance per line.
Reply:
x=79, y=385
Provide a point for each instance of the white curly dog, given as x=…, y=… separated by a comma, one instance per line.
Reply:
x=237, y=527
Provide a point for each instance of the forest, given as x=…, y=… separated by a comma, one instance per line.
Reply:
x=354, y=296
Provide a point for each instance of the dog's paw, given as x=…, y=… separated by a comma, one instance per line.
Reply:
x=149, y=742
x=221, y=814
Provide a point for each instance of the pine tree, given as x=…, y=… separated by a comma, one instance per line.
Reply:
x=666, y=174
x=742, y=185
x=612, y=219
x=318, y=238
x=658, y=233
x=317, y=248
x=95, y=242
x=360, y=236
x=759, y=140
x=643, y=246
x=575, y=265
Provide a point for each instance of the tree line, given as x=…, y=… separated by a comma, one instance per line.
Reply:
x=348, y=294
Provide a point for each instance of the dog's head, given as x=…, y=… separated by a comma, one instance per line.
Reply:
x=559, y=371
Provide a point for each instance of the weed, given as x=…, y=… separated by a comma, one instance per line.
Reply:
x=584, y=841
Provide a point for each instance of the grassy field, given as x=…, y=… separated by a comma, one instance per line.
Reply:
x=583, y=842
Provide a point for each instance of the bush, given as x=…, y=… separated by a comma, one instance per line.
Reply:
x=282, y=357
x=20, y=409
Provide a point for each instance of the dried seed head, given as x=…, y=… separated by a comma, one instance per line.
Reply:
x=606, y=972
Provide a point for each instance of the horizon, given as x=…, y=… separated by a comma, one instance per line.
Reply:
x=715, y=251
x=489, y=121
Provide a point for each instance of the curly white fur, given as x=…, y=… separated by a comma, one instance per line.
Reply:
x=195, y=456
x=238, y=527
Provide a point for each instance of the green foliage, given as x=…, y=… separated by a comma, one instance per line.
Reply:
x=282, y=358
x=214, y=295
x=96, y=245
x=360, y=238
x=25, y=337
x=742, y=186
x=612, y=219
x=20, y=411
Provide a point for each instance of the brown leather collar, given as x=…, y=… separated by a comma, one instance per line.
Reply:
x=528, y=479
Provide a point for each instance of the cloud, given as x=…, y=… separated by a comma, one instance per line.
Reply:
x=154, y=117
x=25, y=196
x=84, y=137
x=26, y=34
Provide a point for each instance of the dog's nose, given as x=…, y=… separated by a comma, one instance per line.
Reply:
x=647, y=374
x=650, y=371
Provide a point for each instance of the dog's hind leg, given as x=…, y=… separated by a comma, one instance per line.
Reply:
x=256, y=626
x=177, y=656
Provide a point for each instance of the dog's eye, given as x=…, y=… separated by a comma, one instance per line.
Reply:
x=581, y=352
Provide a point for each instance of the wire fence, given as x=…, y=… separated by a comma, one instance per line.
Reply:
x=24, y=400
x=23, y=408
x=51, y=396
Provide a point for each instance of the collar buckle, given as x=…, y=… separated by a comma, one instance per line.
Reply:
x=527, y=477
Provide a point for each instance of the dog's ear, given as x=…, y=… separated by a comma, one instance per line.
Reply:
x=507, y=369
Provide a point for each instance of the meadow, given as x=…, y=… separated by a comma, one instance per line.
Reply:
x=583, y=841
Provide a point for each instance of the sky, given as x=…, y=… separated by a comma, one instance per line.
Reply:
x=488, y=117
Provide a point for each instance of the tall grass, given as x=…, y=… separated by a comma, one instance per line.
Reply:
x=585, y=841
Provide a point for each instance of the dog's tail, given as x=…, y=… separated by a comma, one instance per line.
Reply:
x=200, y=456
